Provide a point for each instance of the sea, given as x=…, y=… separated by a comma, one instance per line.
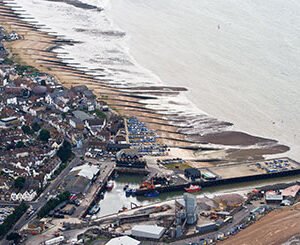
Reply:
x=238, y=59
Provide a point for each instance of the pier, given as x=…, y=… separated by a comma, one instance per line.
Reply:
x=226, y=178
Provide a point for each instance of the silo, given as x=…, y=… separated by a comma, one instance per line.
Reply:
x=191, y=208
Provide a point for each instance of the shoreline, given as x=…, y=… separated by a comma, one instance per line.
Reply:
x=129, y=101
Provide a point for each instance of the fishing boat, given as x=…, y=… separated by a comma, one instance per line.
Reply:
x=95, y=209
x=152, y=194
x=110, y=185
x=133, y=192
x=128, y=192
x=193, y=188
x=125, y=187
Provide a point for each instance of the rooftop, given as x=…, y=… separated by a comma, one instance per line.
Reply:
x=86, y=170
x=123, y=240
x=82, y=115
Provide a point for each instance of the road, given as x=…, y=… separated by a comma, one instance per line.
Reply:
x=238, y=217
x=42, y=200
x=276, y=227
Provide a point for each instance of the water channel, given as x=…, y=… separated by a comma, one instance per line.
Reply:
x=116, y=199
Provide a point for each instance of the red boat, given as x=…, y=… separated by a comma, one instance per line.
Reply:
x=193, y=188
x=110, y=185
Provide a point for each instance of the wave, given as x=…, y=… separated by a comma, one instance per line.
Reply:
x=102, y=49
x=77, y=4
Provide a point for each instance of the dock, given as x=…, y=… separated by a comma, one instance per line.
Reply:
x=236, y=173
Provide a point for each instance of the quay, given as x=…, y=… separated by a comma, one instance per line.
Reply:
x=100, y=183
x=224, y=175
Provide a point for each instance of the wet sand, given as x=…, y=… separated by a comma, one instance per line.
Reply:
x=36, y=48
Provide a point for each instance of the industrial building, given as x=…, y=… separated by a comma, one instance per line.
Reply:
x=190, y=208
x=273, y=197
x=123, y=240
x=186, y=213
x=207, y=227
x=80, y=178
x=130, y=158
x=192, y=173
x=148, y=231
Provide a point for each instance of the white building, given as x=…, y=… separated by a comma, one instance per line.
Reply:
x=86, y=171
x=148, y=231
x=12, y=101
x=27, y=196
x=123, y=240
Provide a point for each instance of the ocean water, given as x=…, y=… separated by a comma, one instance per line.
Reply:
x=239, y=59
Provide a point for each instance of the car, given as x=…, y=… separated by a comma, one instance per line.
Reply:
x=220, y=236
x=202, y=242
x=77, y=202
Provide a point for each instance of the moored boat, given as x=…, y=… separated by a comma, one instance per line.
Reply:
x=128, y=192
x=152, y=194
x=193, y=188
x=110, y=185
x=95, y=209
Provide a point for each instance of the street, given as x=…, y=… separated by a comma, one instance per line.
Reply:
x=42, y=200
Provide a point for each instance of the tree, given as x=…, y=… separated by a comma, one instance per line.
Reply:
x=14, y=236
x=20, y=144
x=10, y=146
x=11, y=219
x=26, y=129
x=65, y=151
x=19, y=182
x=35, y=126
x=44, y=135
x=52, y=203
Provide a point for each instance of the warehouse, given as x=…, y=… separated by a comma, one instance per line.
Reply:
x=192, y=173
x=123, y=240
x=205, y=228
x=148, y=231
x=80, y=178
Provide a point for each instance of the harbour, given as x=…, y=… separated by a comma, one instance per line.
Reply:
x=118, y=163
x=116, y=200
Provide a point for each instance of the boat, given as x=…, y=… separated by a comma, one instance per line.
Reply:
x=193, y=188
x=110, y=185
x=128, y=192
x=101, y=195
x=95, y=209
x=123, y=209
x=152, y=194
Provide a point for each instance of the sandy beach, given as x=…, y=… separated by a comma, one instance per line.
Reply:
x=36, y=49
